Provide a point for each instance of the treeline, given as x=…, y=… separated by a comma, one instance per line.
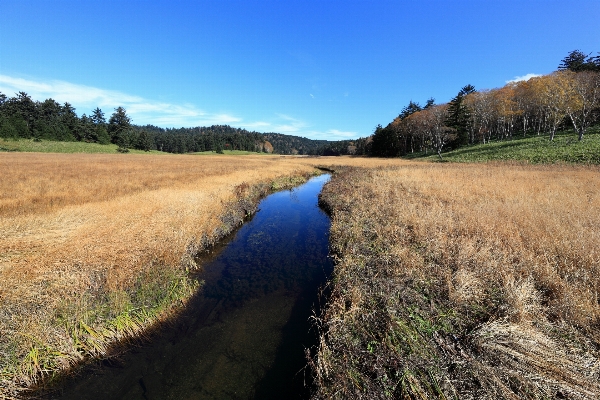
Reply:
x=569, y=97
x=214, y=138
x=289, y=144
x=22, y=117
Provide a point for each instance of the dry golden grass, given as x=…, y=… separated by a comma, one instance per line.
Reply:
x=94, y=247
x=476, y=281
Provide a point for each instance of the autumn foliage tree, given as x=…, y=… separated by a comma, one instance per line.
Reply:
x=544, y=104
x=586, y=100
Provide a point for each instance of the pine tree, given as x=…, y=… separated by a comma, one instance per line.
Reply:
x=459, y=117
x=119, y=126
x=578, y=61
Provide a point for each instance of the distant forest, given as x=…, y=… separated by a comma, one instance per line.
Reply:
x=22, y=117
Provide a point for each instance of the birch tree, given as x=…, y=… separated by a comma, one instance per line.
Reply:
x=556, y=95
x=586, y=93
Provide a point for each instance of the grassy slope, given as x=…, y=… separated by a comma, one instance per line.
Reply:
x=45, y=146
x=535, y=150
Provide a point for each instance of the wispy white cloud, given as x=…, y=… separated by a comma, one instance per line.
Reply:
x=288, y=125
x=142, y=111
x=341, y=135
x=331, y=134
x=257, y=125
x=523, y=78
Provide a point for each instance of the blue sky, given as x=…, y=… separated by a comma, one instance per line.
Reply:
x=319, y=69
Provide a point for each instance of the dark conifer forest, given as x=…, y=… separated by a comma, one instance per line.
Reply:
x=21, y=117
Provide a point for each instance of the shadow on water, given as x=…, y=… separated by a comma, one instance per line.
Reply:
x=244, y=336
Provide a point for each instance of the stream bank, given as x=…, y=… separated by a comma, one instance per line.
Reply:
x=244, y=335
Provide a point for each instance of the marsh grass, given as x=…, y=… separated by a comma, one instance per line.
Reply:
x=462, y=281
x=470, y=281
x=97, y=248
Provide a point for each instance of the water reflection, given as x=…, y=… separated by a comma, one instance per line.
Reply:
x=244, y=336
x=284, y=246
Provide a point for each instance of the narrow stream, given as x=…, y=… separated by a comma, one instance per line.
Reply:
x=244, y=336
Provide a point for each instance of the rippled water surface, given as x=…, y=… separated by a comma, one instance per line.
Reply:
x=244, y=336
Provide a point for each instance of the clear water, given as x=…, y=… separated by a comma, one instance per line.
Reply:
x=245, y=335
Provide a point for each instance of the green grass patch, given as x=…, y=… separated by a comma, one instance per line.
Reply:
x=565, y=148
x=96, y=321
x=46, y=146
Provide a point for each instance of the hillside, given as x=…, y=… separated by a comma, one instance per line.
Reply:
x=565, y=148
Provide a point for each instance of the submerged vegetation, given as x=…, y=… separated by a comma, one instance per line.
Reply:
x=462, y=281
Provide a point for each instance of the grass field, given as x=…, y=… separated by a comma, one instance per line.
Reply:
x=229, y=152
x=46, y=146
x=96, y=247
x=470, y=281
x=565, y=148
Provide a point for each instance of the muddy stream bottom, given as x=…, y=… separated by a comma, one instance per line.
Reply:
x=244, y=336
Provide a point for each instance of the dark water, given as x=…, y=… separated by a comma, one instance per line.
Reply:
x=245, y=335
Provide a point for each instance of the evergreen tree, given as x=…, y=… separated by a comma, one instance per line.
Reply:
x=98, y=117
x=578, y=61
x=144, y=141
x=21, y=109
x=100, y=123
x=119, y=126
x=459, y=117
x=411, y=108
x=12, y=127
x=87, y=130
x=219, y=146
x=386, y=142
x=102, y=134
x=70, y=123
